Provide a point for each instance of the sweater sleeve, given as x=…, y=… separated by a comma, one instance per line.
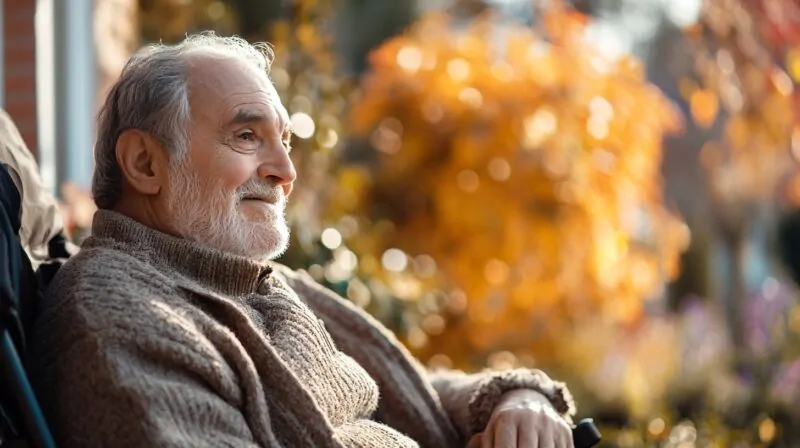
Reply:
x=467, y=399
x=138, y=374
x=125, y=398
x=470, y=398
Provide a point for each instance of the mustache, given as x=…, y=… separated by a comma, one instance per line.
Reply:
x=264, y=191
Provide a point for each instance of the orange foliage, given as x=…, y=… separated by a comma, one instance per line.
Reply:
x=739, y=47
x=170, y=20
x=528, y=170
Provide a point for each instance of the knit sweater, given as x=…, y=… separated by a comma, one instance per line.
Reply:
x=149, y=340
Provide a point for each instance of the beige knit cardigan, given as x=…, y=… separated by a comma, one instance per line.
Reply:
x=146, y=340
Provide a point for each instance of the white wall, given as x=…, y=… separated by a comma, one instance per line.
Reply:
x=45, y=92
x=65, y=90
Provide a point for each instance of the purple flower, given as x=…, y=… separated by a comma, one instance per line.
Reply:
x=786, y=381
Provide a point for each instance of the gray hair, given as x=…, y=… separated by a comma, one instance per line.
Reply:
x=152, y=95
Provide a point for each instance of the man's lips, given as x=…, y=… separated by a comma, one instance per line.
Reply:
x=267, y=200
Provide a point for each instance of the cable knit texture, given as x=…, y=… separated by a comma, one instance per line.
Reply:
x=150, y=340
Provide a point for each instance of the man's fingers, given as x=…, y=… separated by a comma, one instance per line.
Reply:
x=475, y=441
x=546, y=440
x=514, y=428
x=528, y=436
x=553, y=435
x=487, y=438
x=505, y=432
x=565, y=434
x=567, y=438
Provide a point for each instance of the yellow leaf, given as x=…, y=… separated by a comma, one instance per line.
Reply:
x=704, y=106
x=793, y=64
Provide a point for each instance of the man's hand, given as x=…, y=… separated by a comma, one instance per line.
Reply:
x=524, y=419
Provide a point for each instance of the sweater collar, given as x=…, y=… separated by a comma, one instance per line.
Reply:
x=219, y=271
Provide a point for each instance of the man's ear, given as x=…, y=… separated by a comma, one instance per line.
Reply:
x=142, y=161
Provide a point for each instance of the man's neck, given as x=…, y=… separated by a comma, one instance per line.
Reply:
x=147, y=213
x=220, y=271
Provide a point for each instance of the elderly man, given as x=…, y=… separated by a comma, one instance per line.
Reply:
x=172, y=327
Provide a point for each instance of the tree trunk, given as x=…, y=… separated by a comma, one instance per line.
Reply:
x=734, y=221
x=736, y=244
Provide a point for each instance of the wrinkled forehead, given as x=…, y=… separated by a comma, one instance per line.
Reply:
x=221, y=86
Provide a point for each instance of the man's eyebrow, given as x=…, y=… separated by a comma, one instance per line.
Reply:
x=247, y=116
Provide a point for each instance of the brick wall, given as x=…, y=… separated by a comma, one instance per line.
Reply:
x=19, y=66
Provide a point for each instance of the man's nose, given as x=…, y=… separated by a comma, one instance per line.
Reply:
x=279, y=170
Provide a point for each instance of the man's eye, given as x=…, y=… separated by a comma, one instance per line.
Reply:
x=287, y=140
x=248, y=136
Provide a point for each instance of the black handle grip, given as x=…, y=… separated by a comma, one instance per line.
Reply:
x=586, y=434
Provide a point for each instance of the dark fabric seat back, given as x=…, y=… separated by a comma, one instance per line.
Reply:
x=21, y=289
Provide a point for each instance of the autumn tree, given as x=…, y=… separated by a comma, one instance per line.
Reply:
x=739, y=49
x=744, y=83
x=526, y=166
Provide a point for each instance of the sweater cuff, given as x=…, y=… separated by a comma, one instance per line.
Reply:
x=490, y=391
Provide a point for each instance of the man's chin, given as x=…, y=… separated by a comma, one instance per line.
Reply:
x=261, y=241
x=271, y=249
x=261, y=213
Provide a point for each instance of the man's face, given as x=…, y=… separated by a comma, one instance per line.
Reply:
x=230, y=190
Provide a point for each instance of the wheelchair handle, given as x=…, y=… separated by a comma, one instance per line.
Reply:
x=585, y=434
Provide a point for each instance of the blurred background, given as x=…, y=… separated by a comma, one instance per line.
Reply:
x=604, y=189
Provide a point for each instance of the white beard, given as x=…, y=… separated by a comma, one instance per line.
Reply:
x=213, y=218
